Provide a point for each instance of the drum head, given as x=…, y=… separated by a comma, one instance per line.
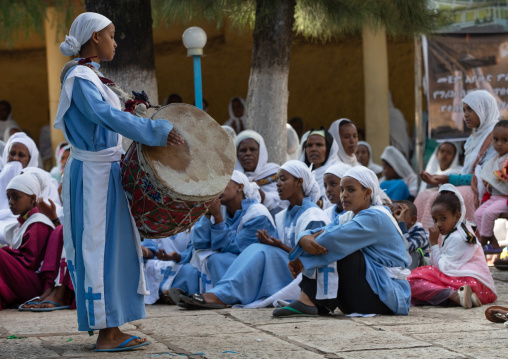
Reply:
x=202, y=167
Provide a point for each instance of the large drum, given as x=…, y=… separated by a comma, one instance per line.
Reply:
x=170, y=188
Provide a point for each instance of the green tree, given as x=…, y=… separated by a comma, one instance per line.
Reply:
x=275, y=22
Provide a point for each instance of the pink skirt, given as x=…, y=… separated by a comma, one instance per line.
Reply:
x=424, y=201
x=429, y=285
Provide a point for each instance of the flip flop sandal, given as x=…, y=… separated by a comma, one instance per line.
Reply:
x=28, y=302
x=173, y=297
x=197, y=301
x=496, y=317
x=122, y=347
x=56, y=307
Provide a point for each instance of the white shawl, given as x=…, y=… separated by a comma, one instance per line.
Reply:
x=485, y=106
x=433, y=167
x=400, y=164
x=343, y=156
x=377, y=169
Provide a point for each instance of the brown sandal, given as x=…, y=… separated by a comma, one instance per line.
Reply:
x=496, y=317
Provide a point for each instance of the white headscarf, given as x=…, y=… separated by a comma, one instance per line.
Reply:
x=343, y=156
x=293, y=143
x=485, y=106
x=402, y=167
x=233, y=120
x=433, y=167
x=374, y=167
x=300, y=170
x=28, y=183
x=81, y=31
x=367, y=179
x=7, y=132
x=250, y=189
x=338, y=169
x=22, y=137
x=263, y=168
x=452, y=188
x=230, y=131
x=330, y=161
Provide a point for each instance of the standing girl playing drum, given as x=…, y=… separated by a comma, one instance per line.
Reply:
x=103, y=248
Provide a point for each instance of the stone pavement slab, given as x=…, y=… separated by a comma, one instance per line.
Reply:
x=428, y=332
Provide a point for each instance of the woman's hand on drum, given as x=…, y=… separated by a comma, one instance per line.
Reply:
x=295, y=267
x=309, y=244
x=163, y=256
x=174, y=139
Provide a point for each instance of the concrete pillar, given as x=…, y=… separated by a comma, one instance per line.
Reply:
x=55, y=62
x=375, y=73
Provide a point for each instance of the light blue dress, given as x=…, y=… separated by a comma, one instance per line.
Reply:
x=91, y=124
x=228, y=239
x=371, y=232
x=262, y=270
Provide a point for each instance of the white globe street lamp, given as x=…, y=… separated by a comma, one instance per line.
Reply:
x=194, y=39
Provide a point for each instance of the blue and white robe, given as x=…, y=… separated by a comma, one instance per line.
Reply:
x=262, y=270
x=216, y=246
x=374, y=232
x=161, y=274
x=101, y=241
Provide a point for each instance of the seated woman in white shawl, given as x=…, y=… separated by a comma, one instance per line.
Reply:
x=237, y=119
x=364, y=157
x=20, y=152
x=363, y=272
x=319, y=151
x=252, y=160
x=345, y=134
x=261, y=269
x=400, y=181
x=331, y=179
x=481, y=113
x=444, y=161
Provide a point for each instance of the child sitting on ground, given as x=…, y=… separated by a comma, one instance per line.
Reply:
x=495, y=178
x=331, y=181
x=459, y=272
x=27, y=240
x=405, y=213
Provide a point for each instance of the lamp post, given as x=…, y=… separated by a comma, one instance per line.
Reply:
x=194, y=39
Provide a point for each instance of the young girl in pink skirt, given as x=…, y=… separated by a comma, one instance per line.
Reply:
x=459, y=273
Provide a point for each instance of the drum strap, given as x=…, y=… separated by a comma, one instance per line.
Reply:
x=266, y=180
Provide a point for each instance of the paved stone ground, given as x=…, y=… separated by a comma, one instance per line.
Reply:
x=431, y=332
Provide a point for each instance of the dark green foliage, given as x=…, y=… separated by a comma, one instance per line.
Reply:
x=314, y=19
x=29, y=15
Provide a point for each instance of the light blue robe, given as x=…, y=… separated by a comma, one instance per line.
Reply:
x=372, y=232
x=262, y=270
x=91, y=124
x=227, y=239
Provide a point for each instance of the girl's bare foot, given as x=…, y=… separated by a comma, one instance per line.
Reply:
x=110, y=338
x=57, y=295
x=42, y=297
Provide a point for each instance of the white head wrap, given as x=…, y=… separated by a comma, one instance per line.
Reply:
x=238, y=122
x=330, y=161
x=338, y=169
x=28, y=183
x=399, y=163
x=81, y=31
x=367, y=179
x=21, y=137
x=433, y=167
x=230, y=131
x=250, y=189
x=293, y=143
x=343, y=156
x=300, y=170
x=485, y=106
x=374, y=167
x=263, y=168
x=452, y=188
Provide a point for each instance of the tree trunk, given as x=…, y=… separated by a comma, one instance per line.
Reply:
x=267, y=98
x=133, y=67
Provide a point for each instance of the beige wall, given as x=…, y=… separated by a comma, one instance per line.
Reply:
x=325, y=81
